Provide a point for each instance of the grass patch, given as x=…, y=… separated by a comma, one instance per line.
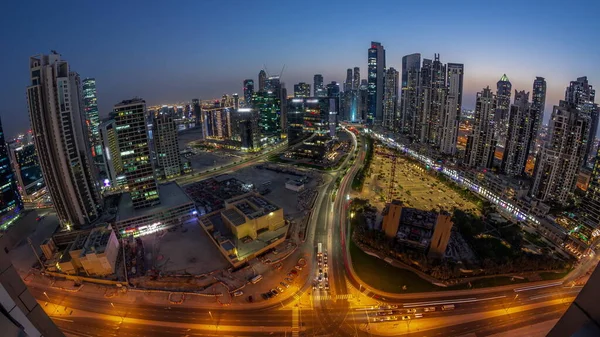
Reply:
x=547, y=276
x=381, y=275
x=496, y=281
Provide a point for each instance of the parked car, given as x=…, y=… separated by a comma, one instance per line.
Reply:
x=280, y=289
x=284, y=284
x=265, y=296
x=238, y=293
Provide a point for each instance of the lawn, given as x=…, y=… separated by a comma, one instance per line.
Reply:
x=546, y=276
x=380, y=275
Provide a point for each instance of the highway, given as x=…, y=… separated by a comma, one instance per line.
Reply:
x=331, y=313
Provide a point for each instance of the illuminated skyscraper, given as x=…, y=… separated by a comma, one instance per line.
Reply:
x=166, y=146
x=348, y=82
x=452, y=108
x=582, y=95
x=591, y=202
x=113, y=166
x=58, y=123
x=132, y=131
x=503, y=91
x=409, y=102
x=92, y=120
x=318, y=87
x=262, y=79
x=28, y=172
x=302, y=90
x=558, y=163
x=523, y=122
x=248, y=91
x=10, y=199
x=538, y=100
x=362, y=101
x=481, y=142
x=356, y=79
x=268, y=106
x=376, y=64
x=433, y=100
x=390, y=98
x=311, y=115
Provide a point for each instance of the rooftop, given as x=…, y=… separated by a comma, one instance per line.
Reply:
x=98, y=239
x=236, y=218
x=171, y=196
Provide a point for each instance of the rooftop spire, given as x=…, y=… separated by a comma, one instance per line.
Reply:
x=504, y=78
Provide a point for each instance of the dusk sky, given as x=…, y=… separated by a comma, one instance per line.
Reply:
x=173, y=51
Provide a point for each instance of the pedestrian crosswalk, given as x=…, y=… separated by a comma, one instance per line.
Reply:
x=295, y=324
x=336, y=297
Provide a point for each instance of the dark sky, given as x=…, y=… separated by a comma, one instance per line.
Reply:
x=170, y=51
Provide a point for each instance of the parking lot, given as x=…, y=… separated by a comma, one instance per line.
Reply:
x=413, y=184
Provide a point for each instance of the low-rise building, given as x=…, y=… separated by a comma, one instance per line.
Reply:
x=175, y=208
x=418, y=229
x=294, y=185
x=248, y=226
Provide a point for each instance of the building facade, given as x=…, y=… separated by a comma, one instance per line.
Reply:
x=10, y=198
x=409, y=102
x=376, y=74
x=166, y=145
x=132, y=132
x=302, y=90
x=581, y=94
x=503, y=92
x=90, y=108
x=452, y=108
x=113, y=166
x=433, y=100
x=481, y=143
x=262, y=79
x=28, y=172
x=58, y=125
x=558, y=163
x=318, y=87
x=390, y=99
x=523, y=122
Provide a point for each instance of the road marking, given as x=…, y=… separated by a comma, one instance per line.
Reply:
x=295, y=325
x=461, y=300
x=538, y=287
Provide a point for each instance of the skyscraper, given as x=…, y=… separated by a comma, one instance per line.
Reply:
x=558, y=163
x=268, y=106
x=58, y=124
x=90, y=106
x=302, y=90
x=10, y=199
x=523, y=123
x=582, y=95
x=390, y=99
x=376, y=69
x=434, y=90
x=28, y=172
x=166, y=147
x=311, y=115
x=591, y=202
x=247, y=120
x=452, y=108
x=113, y=166
x=318, y=88
x=262, y=80
x=236, y=101
x=538, y=100
x=348, y=82
x=197, y=110
x=503, y=91
x=132, y=131
x=248, y=91
x=481, y=142
x=409, y=99
x=356, y=79
x=333, y=89
x=362, y=101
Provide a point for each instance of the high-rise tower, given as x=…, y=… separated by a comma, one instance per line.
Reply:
x=90, y=106
x=481, y=142
x=434, y=90
x=503, y=91
x=390, y=99
x=557, y=165
x=409, y=98
x=452, y=108
x=262, y=80
x=356, y=79
x=132, y=131
x=56, y=113
x=376, y=70
x=582, y=95
x=248, y=91
x=523, y=123
x=318, y=88
x=10, y=199
x=302, y=90
x=166, y=146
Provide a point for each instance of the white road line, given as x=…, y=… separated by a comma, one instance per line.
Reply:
x=461, y=300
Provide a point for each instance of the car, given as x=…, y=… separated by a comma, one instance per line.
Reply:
x=411, y=311
x=238, y=293
x=326, y=286
x=429, y=309
x=325, y=276
x=319, y=279
x=394, y=306
x=288, y=279
x=418, y=315
x=274, y=292
x=265, y=296
x=250, y=299
x=284, y=284
x=280, y=289
x=290, y=276
x=320, y=271
x=295, y=272
x=298, y=267
x=405, y=317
